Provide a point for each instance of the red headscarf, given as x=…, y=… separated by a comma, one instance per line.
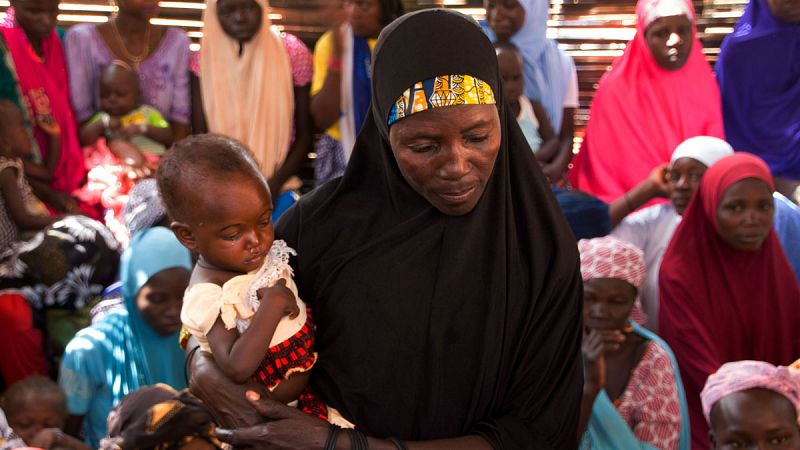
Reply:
x=642, y=111
x=719, y=304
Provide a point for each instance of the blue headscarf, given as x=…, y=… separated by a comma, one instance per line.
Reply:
x=121, y=353
x=545, y=77
x=160, y=358
x=759, y=79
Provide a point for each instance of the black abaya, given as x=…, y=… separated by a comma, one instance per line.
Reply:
x=432, y=326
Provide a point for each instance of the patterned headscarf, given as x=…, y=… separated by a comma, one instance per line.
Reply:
x=159, y=418
x=437, y=92
x=609, y=257
x=743, y=375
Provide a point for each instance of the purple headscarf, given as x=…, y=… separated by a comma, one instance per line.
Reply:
x=759, y=76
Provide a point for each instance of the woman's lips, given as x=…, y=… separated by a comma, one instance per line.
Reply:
x=458, y=195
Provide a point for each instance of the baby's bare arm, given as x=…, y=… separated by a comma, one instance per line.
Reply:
x=239, y=355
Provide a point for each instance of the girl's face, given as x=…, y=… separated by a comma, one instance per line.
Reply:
x=14, y=138
x=754, y=419
x=607, y=303
x=505, y=17
x=670, y=41
x=365, y=18
x=510, y=65
x=785, y=10
x=37, y=17
x=239, y=19
x=159, y=301
x=143, y=9
x=685, y=176
x=32, y=416
x=235, y=236
x=745, y=213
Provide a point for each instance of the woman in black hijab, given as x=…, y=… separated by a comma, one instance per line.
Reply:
x=443, y=278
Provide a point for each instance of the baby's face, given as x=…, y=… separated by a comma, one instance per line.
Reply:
x=510, y=66
x=32, y=416
x=119, y=94
x=234, y=233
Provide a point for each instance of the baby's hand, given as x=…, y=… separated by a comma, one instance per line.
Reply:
x=49, y=125
x=280, y=296
x=46, y=438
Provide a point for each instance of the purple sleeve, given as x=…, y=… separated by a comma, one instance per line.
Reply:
x=78, y=47
x=299, y=58
x=181, y=108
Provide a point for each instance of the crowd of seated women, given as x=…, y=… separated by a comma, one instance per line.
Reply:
x=469, y=283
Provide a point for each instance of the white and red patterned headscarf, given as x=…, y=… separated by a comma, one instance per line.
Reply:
x=609, y=257
x=743, y=375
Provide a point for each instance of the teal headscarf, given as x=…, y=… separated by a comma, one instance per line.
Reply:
x=121, y=353
x=160, y=358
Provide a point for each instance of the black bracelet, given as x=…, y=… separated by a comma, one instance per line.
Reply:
x=357, y=439
x=333, y=435
x=397, y=443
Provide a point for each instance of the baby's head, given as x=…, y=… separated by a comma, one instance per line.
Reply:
x=509, y=61
x=119, y=89
x=218, y=201
x=34, y=404
x=753, y=404
x=15, y=142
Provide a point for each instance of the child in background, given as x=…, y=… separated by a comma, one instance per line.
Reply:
x=37, y=412
x=123, y=143
x=530, y=115
x=753, y=404
x=124, y=118
x=241, y=304
x=19, y=209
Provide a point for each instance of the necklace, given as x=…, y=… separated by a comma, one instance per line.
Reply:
x=135, y=60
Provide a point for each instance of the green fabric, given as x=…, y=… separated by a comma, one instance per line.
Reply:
x=143, y=114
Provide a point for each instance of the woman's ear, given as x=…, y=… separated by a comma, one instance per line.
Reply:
x=184, y=234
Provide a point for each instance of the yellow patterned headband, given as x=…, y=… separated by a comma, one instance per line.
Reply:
x=444, y=90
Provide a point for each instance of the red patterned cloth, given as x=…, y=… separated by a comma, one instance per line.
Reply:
x=650, y=404
x=609, y=257
x=291, y=356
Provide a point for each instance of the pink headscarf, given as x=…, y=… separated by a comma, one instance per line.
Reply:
x=609, y=257
x=743, y=375
x=641, y=111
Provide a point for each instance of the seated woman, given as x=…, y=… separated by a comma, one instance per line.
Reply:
x=651, y=228
x=158, y=55
x=186, y=423
x=56, y=170
x=551, y=80
x=479, y=336
x=657, y=94
x=131, y=347
x=340, y=89
x=753, y=404
x=727, y=292
x=632, y=396
x=254, y=87
x=759, y=79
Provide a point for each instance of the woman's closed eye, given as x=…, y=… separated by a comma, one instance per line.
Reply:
x=476, y=139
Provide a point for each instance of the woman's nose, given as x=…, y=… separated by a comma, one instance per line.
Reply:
x=456, y=164
x=674, y=40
